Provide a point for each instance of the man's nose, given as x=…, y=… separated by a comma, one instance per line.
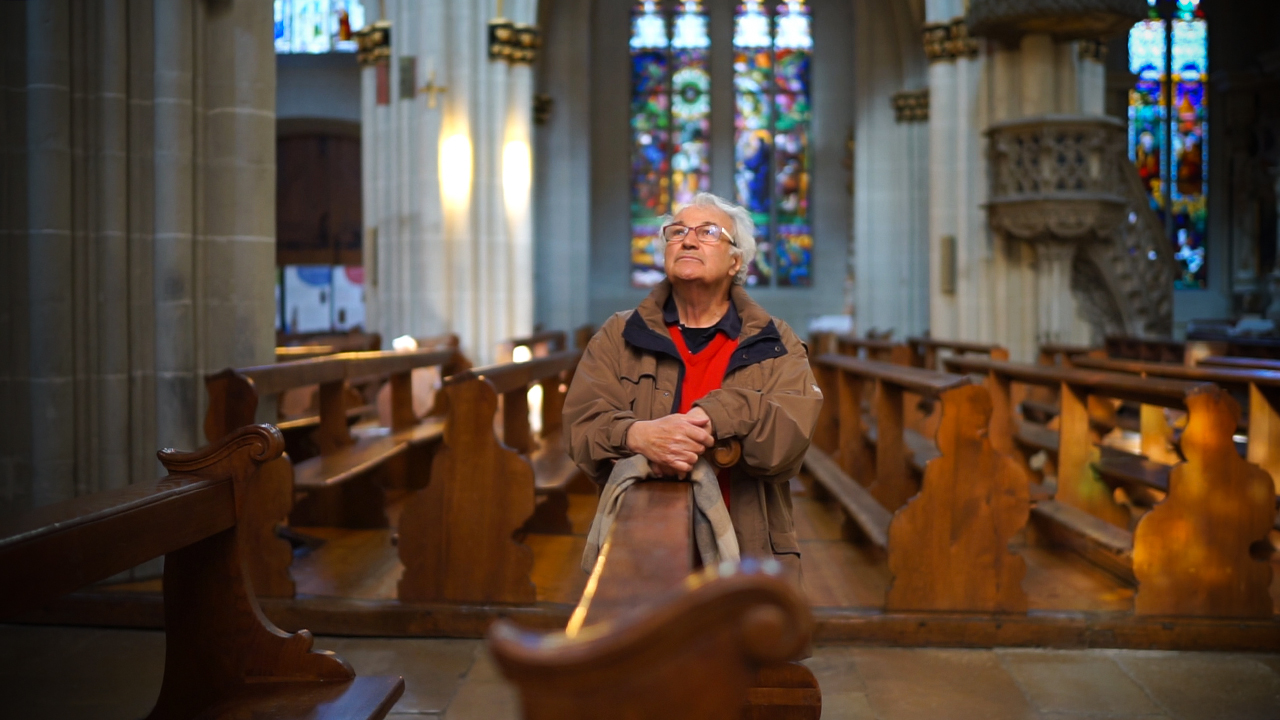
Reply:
x=690, y=240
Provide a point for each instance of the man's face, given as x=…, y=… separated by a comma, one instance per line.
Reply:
x=691, y=260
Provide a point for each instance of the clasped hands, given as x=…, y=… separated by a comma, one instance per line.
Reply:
x=672, y=444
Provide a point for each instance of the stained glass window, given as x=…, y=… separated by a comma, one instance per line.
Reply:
x=670, y=123
x=1181, y=173
x=771, y=137
x=317, y=26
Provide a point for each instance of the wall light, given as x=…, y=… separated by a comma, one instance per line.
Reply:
x=517, y=176
x=455, y=170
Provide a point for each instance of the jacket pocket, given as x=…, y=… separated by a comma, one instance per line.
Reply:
x=640, y=390
x=784, y=543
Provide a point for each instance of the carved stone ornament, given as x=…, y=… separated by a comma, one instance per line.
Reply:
x=948, y=41
x=911, y=106
x=1064, y=19
x=1068, y=180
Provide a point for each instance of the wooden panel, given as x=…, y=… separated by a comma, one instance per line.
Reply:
x=346, y=463
x=893, y=485
x=1204, y=550
x=266, y=555
x=851, y=453
x=949, y=545
x=1264, y=431
x=456, y=535
x=1078, y=482
x=333, y=433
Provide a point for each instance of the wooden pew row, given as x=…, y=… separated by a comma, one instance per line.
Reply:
x=1203, y=551
x=459, y=537
x=881, y=349
x=1241, y=363
x=336, y=486
x=946, y=535
x=924, y=350
x=1260, y=387
x=648, y=639
x=223, y=658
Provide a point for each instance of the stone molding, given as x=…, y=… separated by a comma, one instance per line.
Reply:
x=948, y=41
x=1064, y=19
x=911, y=106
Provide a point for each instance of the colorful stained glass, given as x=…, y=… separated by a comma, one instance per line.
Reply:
x=317, y=26
x=1182, y=172
x=690, y=105
x=651, y=141
x=772, y=119
x=753, y=134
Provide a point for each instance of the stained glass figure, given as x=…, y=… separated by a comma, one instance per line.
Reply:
x=792, y=43
x=690, y=104
x=1184, y=168
x=650, y=140
x=753, y=134
x=317, y=26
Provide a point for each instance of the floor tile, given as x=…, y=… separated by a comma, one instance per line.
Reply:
x=911, y=684
x=846, y=706
x=1076, y=682
x=1205, y=686
x=836, y=669
x=484, y=694
x=432, y=668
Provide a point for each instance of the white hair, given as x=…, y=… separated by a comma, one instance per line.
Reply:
x=743, y=230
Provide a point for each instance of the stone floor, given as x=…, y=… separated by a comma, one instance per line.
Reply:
x=69, y=673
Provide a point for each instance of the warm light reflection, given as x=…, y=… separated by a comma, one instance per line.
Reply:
x=455, y=170
x=517, y=176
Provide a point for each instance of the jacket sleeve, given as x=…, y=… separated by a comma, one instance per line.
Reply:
x=776, y=421
x=596, y=410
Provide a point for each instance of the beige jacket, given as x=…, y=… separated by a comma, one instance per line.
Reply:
x=769, y=400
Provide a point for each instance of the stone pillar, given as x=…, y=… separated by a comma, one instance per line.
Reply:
x=447, y=188
x=891, y=172
x=1055, y=304
x=143, y=255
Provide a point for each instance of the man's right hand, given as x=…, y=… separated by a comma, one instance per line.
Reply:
x=672, y=444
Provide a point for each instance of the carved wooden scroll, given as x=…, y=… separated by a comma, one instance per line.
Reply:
x=1204, y=550
x=457, y=535
x=949, y=545
x=690, y=654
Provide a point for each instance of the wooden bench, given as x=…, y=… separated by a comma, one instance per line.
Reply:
x=459, y=537
x=1061, y=353
x=946, y=535
x=870, y=348
x=223, y=658
x=924, y=350
x=648, y=640
x=1199, y=552
x=334, y=487
x=1246, y=363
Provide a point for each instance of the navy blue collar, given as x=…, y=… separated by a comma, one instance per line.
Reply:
x=730, y=324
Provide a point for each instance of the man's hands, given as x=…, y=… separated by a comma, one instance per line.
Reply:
x=673, y=443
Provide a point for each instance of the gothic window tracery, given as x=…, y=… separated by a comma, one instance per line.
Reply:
x=1184, y=170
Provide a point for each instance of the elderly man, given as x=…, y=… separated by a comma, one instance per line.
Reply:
x=699, y=361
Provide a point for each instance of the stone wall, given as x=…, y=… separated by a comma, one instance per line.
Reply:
x=138, y=231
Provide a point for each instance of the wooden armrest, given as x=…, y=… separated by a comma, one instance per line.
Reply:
x=512, y=376
x=917, y=380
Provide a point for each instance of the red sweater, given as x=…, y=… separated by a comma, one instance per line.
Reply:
x=704, y=372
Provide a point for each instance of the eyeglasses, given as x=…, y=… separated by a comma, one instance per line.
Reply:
x=707, y=234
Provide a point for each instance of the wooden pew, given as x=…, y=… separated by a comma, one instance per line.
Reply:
x=223, y=658
x=354, y=341
x=1247, y=363
x=650, y=640
x=924, y=350
x=1061, y=353
x=882, y=349
x=1154, y=349
x=459, y=536
x=1200, y=551
x=947, y=534
x=1261, y=387
x=334, y=486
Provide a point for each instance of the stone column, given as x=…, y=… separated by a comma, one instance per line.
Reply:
x=449, y=241
x=1055, y=304
x=142, y=255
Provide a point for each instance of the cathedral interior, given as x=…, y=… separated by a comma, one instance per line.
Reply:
x=292, y=294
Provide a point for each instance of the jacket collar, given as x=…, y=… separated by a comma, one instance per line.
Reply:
x=646, y=328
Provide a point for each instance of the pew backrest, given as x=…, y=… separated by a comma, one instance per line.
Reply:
x=924, y=350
